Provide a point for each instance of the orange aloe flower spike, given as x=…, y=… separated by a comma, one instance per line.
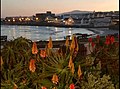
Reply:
x=32, y=66
x=43, y=87
x=50, y=45
x=79, y=71
x=43, y=53
x=107, y=42
x=77, y=48
x=76, y=44
x=55, y=79
x=67, y=42
x=34, y=48
x=72, y=68
x=70, y=62
x=72, y=46
x=112, y=39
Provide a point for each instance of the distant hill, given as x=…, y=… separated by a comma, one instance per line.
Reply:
x=75, y=12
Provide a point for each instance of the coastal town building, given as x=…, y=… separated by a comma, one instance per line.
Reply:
x=42, y=16
x=19, y=19
x=87, y=19
x=49, y=19
x=77, y=15
x=68, y=21
x=55, y=20
x=101, y=21
x=95, y=19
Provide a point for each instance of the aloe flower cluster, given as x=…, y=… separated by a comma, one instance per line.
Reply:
x=33, y=68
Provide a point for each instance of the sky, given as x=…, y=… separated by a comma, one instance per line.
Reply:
x=31, y=7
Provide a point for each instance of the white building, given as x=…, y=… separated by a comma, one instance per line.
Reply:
x=101, y=21
x=69, y=21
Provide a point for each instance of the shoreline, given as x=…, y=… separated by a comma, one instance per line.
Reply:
x=97, y=31
x=60, y=25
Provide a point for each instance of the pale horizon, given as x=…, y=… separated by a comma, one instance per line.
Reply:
x=31, y=7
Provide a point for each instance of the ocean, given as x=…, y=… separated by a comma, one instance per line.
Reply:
x=38, y=33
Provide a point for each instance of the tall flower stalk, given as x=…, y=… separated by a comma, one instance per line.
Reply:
x=50, y=45
x=74, y=45
x=79, y=71
x=32, y=66
x=34, y=48
x=71, y=65
x=55, y=79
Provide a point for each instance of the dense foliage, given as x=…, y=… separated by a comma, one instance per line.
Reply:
x=25, y=66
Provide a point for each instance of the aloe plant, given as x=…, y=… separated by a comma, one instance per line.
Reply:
x=58, y=64
x=54, y=69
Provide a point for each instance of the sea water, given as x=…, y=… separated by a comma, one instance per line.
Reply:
x=38, y=33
